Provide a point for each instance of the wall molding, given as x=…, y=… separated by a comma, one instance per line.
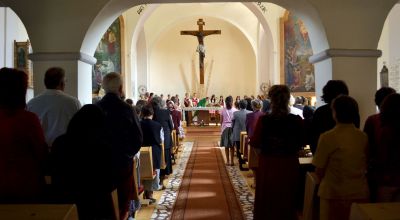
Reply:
x=329, y=53
x=63, y=56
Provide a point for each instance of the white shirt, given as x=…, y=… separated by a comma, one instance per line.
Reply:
x=54, y=109
x=296, y=111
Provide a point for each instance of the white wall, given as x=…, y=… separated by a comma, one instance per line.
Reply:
x=3, y=36
x=174, y=68
x=389, y=43
x=141, y=60
x=11, y=28
x=273, y=16
x=158, y=19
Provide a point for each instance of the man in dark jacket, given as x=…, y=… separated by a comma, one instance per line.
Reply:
x=124, y=135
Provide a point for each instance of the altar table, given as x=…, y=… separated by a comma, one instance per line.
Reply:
x=202, y=115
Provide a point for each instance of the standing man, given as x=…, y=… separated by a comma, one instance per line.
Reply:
x=124, y=135
x=239, y=125
x=54, y=107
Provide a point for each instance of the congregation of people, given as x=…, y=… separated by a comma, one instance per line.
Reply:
x=353, y=165
x=89, y=151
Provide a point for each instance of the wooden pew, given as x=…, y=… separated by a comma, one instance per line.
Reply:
x=146, y=163
x=174, y=145
x=114, y=196
x=252, y=157
x=163, y=163
x=242, y=134
x=311, y=199
x=39, y=211
x=245, y=147
x=375, y=211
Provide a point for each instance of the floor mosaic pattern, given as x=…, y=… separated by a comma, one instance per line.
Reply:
x=165, y=205
x=242, y=190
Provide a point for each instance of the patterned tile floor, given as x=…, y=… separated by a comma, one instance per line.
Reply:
x=164, y=207
x=242, y=190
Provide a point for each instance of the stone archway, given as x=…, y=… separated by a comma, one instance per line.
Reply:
x=66, y=33
x=307, y=13
x=389, y=45
x=345, y=36
x=139, y=52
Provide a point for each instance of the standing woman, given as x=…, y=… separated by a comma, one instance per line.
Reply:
x=237, y=98
x=213, y=100
x=388, y=151
x=152, y=137
x=221, y=101
x=164, y=118
x=341, y=162
x=176, y=116
x=251, y=121
x=278, y=137
x=22, y=144
x=226, y=130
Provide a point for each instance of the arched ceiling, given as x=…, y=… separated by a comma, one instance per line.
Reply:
x=239, y=15
x=162, y=17
x=236, y=19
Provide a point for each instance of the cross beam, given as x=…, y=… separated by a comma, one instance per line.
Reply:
x=200, y=34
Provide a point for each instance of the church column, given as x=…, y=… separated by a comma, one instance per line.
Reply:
x=78, y=71
x=352, y=31
x=357, y=67
x=141, y=62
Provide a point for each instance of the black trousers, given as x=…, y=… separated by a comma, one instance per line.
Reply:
x=238, y=154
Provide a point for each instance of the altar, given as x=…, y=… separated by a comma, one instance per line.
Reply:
x=201, y=115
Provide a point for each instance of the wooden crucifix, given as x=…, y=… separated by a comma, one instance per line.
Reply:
x=200, y=34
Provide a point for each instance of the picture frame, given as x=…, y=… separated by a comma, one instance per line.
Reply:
x=295, y=46
x=21, y=61
x=110, y=54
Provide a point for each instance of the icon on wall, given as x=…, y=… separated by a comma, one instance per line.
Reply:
x=384, y=74
x=21, y=61
x=142, y=89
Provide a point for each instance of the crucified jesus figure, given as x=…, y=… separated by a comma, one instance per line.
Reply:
x=200, y=34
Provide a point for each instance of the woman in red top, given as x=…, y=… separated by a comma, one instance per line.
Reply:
x=278, y=137
x=22, y=143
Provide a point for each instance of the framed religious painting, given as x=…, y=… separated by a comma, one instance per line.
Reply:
x=296, y=71
x=21, y=61
x=109, y=54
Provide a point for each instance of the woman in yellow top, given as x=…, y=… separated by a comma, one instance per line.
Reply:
x=341, y=162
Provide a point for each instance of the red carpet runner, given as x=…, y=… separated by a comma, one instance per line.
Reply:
x=206, y=191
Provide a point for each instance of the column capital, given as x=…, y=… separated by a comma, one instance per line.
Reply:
x=329, y=53
x=59, y=56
